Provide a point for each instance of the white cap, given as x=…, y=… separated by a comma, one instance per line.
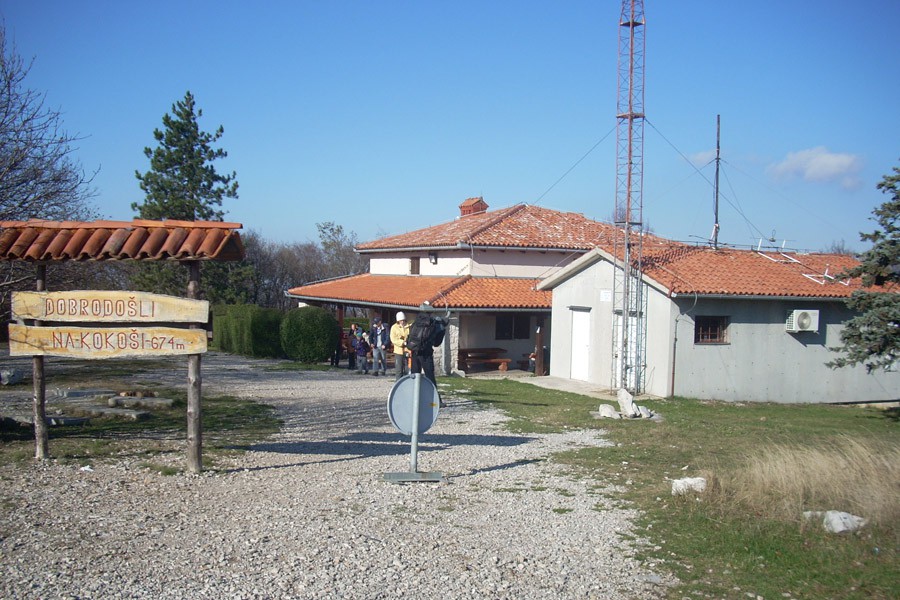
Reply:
x=401, y=316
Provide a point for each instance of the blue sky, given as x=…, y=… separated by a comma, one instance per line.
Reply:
x=384, y=116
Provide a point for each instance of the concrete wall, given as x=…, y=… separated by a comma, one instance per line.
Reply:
x=589, y=290
x=762, y=362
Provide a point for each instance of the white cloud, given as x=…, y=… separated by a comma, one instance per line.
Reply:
x=701, y=159
x=818, y=165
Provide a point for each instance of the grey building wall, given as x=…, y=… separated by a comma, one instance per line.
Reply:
x=592, y=290
x=761, y=362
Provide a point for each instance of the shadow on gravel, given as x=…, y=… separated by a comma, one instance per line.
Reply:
x=374, y=444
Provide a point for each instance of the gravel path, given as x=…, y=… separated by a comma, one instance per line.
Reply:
x=307, y=513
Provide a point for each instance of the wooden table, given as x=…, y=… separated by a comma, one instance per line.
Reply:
x=469, y=357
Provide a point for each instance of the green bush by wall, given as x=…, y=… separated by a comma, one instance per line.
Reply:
x=309, y=334
x=248, y=330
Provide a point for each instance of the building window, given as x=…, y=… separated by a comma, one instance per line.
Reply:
x=512, y=327
x=414, y=265
x=710, y=330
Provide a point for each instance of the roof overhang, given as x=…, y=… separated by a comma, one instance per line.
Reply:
x=459, y=294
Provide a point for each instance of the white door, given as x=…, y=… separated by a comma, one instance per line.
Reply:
x=581, y=344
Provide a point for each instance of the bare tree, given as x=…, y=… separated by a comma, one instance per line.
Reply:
x=279, y=267
x=840, y=247
x=339, y=250
x=39, y=178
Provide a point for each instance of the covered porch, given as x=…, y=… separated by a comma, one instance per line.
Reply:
x=506, y=315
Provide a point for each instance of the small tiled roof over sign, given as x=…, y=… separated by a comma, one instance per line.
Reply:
x=46, y=241
x=403, y=291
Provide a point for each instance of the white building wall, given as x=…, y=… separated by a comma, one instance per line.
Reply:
x=450, y=266
x=761, y=362
x=519, y=263
x=589, y=290
x=479, y=263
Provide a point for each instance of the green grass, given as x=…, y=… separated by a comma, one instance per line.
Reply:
x=229, y=424
x=715, y=551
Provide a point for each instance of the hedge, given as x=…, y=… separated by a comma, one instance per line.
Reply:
x=248, y=330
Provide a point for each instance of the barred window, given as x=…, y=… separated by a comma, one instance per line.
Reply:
x=710, y=330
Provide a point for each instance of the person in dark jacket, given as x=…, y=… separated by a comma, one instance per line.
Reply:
x=423, y=358
x=362, y=352
x=380, y=339
x=351, y=347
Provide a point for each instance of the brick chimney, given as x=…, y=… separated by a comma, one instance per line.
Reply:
x=472, y=206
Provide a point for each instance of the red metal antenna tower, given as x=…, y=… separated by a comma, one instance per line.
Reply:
x=629, y=328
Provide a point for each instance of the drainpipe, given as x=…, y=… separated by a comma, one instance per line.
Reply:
x=674, y=350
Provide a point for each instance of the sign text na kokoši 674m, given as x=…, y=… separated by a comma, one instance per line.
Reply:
x=86, y=307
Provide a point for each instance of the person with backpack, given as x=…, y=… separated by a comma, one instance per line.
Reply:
x=399, y=333
x=425, y=333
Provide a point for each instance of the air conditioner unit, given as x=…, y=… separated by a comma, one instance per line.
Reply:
x=802, y=320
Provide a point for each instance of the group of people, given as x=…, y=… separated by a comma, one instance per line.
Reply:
x=380, y=340
x=361, y=345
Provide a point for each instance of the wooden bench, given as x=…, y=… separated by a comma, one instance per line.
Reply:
x=502, y=363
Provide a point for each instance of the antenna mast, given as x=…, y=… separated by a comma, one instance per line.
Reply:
x=629, y=303
x=715, y=235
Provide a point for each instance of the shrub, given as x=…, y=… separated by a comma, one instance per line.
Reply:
x=248, y=330
x=309, y=334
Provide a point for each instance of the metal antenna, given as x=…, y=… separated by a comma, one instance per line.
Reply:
x=629, y=326
x=715, y=238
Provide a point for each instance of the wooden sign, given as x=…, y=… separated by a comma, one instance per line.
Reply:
x=104, y=342
x=88, y=306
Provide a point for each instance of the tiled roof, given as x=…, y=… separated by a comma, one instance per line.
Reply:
x=412, y=291
x=731, y=272
x=519, y=226
x=39, y=241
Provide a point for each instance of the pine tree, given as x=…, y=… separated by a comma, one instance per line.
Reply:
x=873, y=337
x=183, y=184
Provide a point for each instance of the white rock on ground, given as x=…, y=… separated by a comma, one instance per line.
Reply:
x=307, y=514
x=688, y=484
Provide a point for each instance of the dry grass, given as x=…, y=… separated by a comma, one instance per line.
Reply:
x=861, y=477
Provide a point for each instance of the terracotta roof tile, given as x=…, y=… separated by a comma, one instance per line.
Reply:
x=496, y=292
x=519, y=226
x=412, y=291
x=38, y=240
x=731, y=272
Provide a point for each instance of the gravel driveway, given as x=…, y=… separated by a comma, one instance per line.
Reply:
x=307, y=514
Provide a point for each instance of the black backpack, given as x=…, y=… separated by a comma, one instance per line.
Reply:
x=420, y=333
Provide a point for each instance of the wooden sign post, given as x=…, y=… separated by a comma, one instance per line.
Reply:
x=103, y=324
